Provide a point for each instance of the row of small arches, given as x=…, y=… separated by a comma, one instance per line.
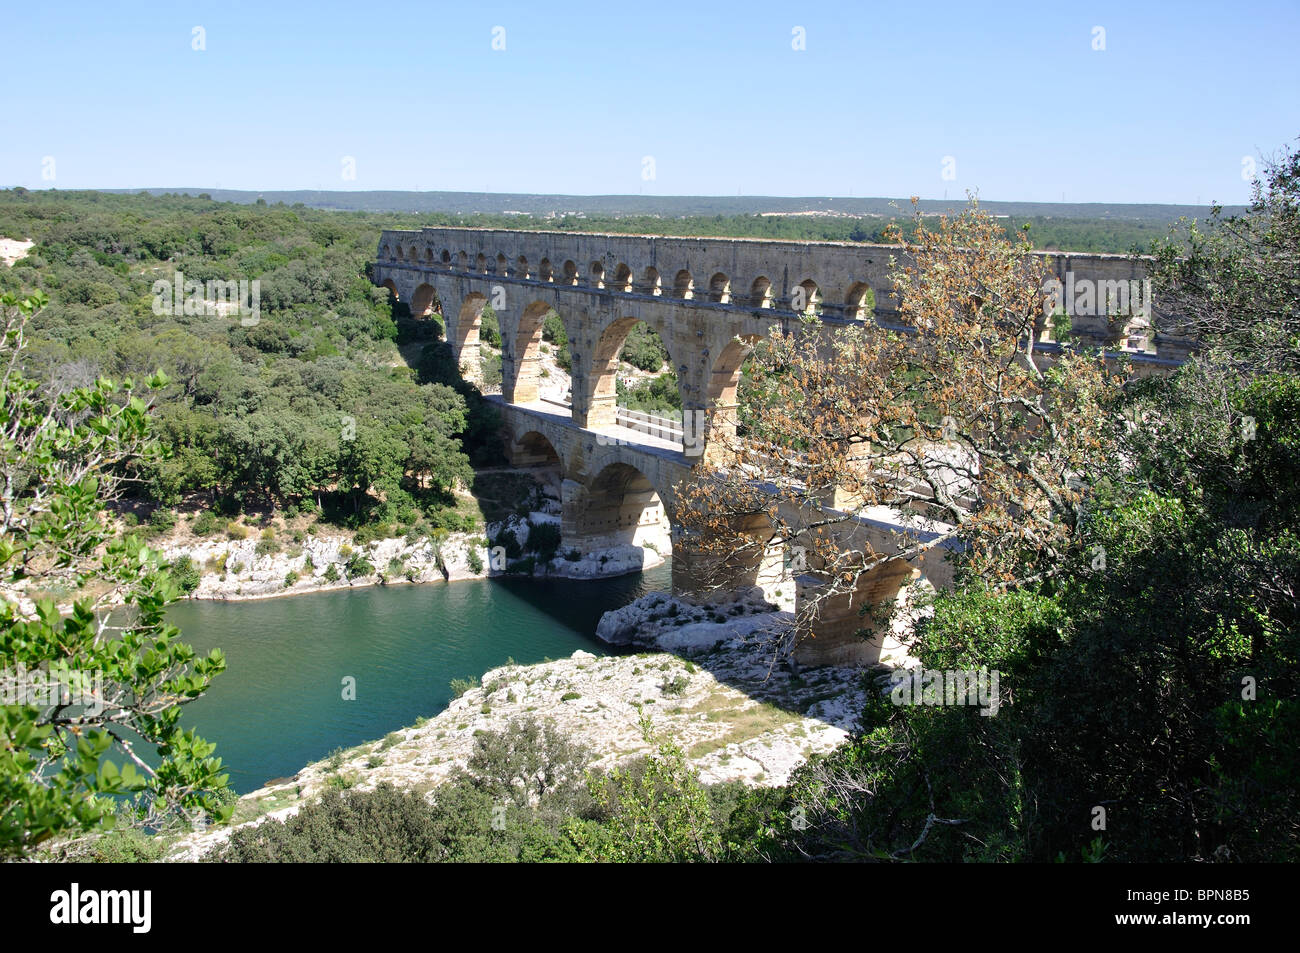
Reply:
x=805, y=297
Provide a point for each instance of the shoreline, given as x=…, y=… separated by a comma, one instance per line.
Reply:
x=373, y=582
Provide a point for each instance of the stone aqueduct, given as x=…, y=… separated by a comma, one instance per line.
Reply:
x=709, y=299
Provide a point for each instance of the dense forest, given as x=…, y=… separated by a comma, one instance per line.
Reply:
x=309, y=406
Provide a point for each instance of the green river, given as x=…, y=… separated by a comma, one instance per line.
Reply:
x=279, y=705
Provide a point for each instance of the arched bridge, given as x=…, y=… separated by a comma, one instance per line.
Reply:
x=709, y=299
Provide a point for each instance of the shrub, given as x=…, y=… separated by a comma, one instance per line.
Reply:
x=265, y=547
x=236, y=531
x=332, y=572
x=459, y=686
x=161, y=520
x=185, y=573
x=544, y=540
x=475, y=560
x=507, y=540
x=358, y=565
x=206, y=523
x=290, y=578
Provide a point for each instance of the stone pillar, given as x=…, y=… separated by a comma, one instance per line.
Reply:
x=841, y=633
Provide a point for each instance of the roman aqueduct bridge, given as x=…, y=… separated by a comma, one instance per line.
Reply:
x=709, y=299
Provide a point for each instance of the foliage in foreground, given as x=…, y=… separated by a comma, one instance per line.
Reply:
x=89, y=694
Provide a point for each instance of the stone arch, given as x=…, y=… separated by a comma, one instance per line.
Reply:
x=399, y=253
x=602, y=381
x=480, y=264
x=462, y=261
x=534, y=449
x=856, y=303
x=760, y=292
x=446, y=257
x=413, y=255
x=385, y=252
x=544, y=270
x=596, y=275
x=684, y=285
x=619, y=506
x=723, y=404
x=622, y=278
x=524, y=385
x=653, y=284
x=720, y=289
x=391, y=285
x=464, y=336
x=422, y=301
x=806, y=298
x=570, y=273
x=502, y=264
x=428, y=256
x=521, y=268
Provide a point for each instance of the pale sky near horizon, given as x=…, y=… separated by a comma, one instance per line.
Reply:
x=716, y=95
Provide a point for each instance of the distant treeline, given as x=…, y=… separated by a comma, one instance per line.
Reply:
x=1083, y=227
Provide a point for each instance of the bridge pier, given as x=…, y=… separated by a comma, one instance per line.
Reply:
x=842, y=633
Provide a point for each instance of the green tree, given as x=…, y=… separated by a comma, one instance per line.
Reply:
x=64, y=764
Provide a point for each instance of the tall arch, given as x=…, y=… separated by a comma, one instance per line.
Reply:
x=602, y=381
x=544, y=270
x=570, y=273
x=723, y=405
x=521, y=268
x=480, y=264
x=622, y=278
x=391, y=285
x=501, y=264
x=422, y=301
x=596, y=274
x=524, y=385
x=464, y=336
x=760, y=292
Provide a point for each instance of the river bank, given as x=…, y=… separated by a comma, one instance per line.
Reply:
x=736, y=715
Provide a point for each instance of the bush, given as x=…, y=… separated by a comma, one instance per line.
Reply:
x=332, y=572
x=507, y=540
x=475, y=560
x=161, y=520
x=544, y=540
x=459, y=686
x=358, y=565
x=236, y=531
x=185, y=573
x=206, y=523
x=290, y=578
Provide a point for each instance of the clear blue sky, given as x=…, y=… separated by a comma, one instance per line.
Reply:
x=1016, y=95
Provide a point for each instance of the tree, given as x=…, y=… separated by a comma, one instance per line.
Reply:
x=1236, y=283
x=957, y=428
x=112, y=675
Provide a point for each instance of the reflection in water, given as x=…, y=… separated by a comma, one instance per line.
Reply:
x=279, y=704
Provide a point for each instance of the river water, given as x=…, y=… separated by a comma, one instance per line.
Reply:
x=280, y=703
